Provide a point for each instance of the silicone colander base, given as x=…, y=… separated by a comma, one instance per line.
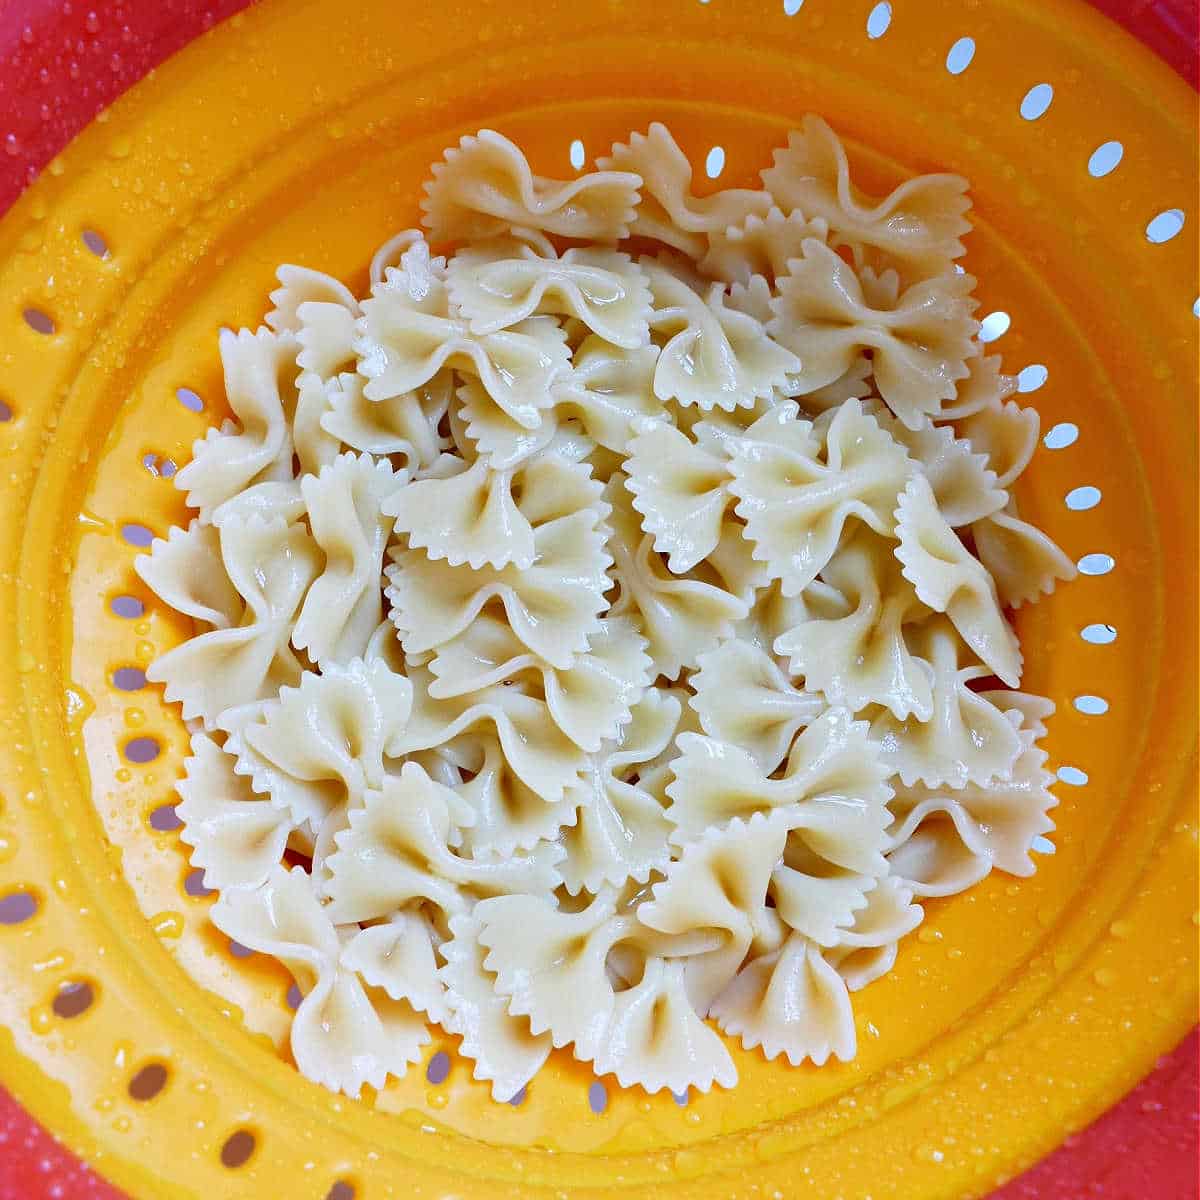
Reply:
x=1019, y=1010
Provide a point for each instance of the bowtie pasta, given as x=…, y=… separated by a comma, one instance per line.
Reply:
x=598, y=615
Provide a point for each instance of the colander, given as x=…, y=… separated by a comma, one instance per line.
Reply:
x=300, y=131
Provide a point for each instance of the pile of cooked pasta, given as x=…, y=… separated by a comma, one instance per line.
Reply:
x=601, y=625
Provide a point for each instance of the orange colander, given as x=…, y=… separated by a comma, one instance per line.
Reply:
x=300, y=132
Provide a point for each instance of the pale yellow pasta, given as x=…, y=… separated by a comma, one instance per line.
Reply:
x=603, y=633
x=668, y=211
x=485, y=186
x=919, y=224
x=260, y=383
x=920, y=342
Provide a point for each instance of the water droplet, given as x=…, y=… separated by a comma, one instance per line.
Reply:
x=1105, y=976
x=167, y=924
x=12, y=146
x=1120, y=929
x=41, y=1018
x=91, y=23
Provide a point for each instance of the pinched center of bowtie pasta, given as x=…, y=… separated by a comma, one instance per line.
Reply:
x=602, y=629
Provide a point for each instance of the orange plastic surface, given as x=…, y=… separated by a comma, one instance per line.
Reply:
x=300, y=131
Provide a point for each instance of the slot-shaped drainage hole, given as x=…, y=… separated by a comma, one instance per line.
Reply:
x=141, y=750
x=148, y=1082
x=137, y=535
x=129, y=679
x=439, y=1068
x=164, y=819
x=95, y=243
x=597, y=1097
x=129, y=608
x=238, y=1149
x=38, y=321
x=73, y=1000
x=189, y=399
x=17, y=907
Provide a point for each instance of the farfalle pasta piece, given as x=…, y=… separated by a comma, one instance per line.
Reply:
x=752, y=298
x=186, y=572
x=509, y=815
x=761, y=245
x=656, y=1039
x=790, y=1002
x=321, y=745
x=681, y=618
x=620, y=832
x=968, y=739
x=608, y=389
x=1024, y=562
x=551, y=965
x=344, y=1034
x=965, y=486
x=345, y=512
x=1006, y=435
x=743, y=698
x=551, y=962
x=680, y=484
x=503, y=1049
x=320, y=312
x=396, y=851
x=668, y=211
x=918, y=224
x=483, y=428
x=773, y=614
x=919, y=346
x=484, y=186
x=714, y=356
x=270, y=566
x=399, y=957
x=796, y=496
x=719, y=882
x=588, y=701
x=405, y=424
x=832, y=793
x=856, y=654
x=816, y=898
x=985, y=386
x=407, y=335
x=554, y=606
x=236, y=837
x=889, y=915
x=852, y=385
x=541, y=755
x=482, y=516
x=944, y=840
x=260, y=384
x=269, y=500
x=498, y=284
x=303, y=285
x=680, y=487
x=950, y=580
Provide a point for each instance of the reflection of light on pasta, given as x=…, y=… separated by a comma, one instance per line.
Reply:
x=606, y=626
